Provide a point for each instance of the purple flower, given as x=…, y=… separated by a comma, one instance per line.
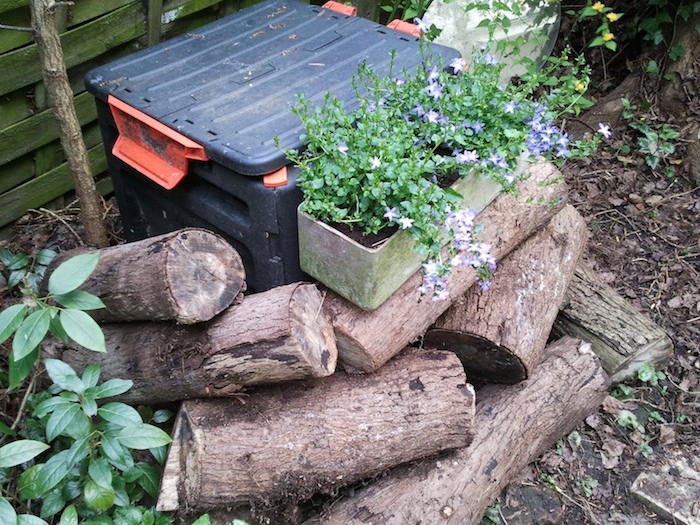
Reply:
x=604, y=130
x=510, y=107
x=434, y=90
x=391, y=214
x=405, y=223
x=498, y=161
x=458, y=65
x=467, y=157
x=343, y=147
x=422, y=24
x=432, y=116
x=478, y=126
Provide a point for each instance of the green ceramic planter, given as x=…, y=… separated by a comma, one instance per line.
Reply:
x=368, y=276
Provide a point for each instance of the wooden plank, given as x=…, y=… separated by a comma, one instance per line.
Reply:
x=16, y=172
x=10, y=39
x=155, y=15
x=9, y=5
x=41, y=129
x=15, y=107
x=80, y=44
x=43, y=189
x=178, y=9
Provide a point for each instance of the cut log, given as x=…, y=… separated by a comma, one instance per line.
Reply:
x=367, y=340
x=270, y=337
x=285, y=443
x=622, y=337
x=514, y=424
x=187, y=276
x=500, y=334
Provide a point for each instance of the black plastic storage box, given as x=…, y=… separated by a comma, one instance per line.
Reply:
x=189, y=125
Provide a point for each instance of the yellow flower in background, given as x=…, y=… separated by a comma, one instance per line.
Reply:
x=598, y=6
x=608, y=37
x=579, y=86
x=613, y=17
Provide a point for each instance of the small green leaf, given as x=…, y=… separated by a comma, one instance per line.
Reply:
x=17, y=261
x=91, y=375
x=676, y=52
x=202, y=520
x=10, y=319
x=117, y=454
x=20, y=369
x=7, y=512
x=97, y=496
x=6, y=430
x=162, y=415
x=18, y=452
x=149, y=478
x=30, y=333
x=112, y=387
x=53, y=504
x=120, y=414
x=142, y=437
x=80, y=300
x=57, y=330
x=49, y=405
x=64, y=376
x=100, y=472
x=89, y=406
x=83, y=329
x=28, y=519
x=16, y=277
x=72, y=273
x=160, y=454
x=69, y=516
x=60, y=419
x=44, y=257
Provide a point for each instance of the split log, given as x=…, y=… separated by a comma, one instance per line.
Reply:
x=500, y=334
x=367, y=340
x=286, y=443
x=514, y=424
x=622, y=337
x=187, y=276
x=274, y=336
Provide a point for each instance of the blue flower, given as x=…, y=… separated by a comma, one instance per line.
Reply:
x=343, y=147
x=391, y=214
x=604, y=130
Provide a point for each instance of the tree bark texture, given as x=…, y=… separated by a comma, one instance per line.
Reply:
x=187, y=276
x=622, y=337
x=61, y=97
x=288, y=442
x=274, y=336
x=367, y=340
x=500, y=334
x=514, y=424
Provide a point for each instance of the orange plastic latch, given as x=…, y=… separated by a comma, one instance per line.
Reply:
x=160, y=153
x=341, y=8
x=276, y=178
x=404, y=27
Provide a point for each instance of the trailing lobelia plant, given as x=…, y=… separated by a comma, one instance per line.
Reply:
x=388, y=163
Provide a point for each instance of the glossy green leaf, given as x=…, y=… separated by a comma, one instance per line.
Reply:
x=91, y=375
x=72, y=273
x=30, y=333
x=6, y=430
x=112, y=387
x=80, y=300
x=63, y=376
x=69, y=516
x=202, y=520
x=53, y=503
x=21, y=451
x=21, y=368
x=30, y=482
x=16, y=261
x=89, y=406
x=162, y=415
x=129, y=516
x=142, y=437
x=49, y=405
x=120, y=414
x=117, y=454
x=149, y=478
x=7, y=512
x=97, y=496
x=10, y=319
x=44, y=257
x=160, y=454
x=100, y=472
x=16, y=277
x=59, y=465
x=83, y=329
x=28, y=519
x=60, y=418
x=57, y=330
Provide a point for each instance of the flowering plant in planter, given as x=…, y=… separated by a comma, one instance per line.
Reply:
x=387, y=164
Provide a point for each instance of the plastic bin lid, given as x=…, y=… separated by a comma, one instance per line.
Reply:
x=230, y=85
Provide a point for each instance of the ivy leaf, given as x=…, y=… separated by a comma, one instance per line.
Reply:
x=30, y=333
x=142, y=437
x=80, y=300
x=120, y=414
x=10, y=319
x=112, y=387
x=83, y=329
x=21, y=451
x=72, y=273
x=64, y=376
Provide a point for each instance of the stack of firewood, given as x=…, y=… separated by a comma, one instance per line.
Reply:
x=267, y=420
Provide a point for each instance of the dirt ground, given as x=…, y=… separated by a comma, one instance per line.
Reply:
x=645, y=242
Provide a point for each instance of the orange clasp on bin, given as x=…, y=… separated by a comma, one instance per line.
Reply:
x=404, y=27
x=160, y=153
x=341, y=8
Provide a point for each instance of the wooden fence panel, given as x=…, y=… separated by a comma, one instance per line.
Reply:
x=33, y=171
